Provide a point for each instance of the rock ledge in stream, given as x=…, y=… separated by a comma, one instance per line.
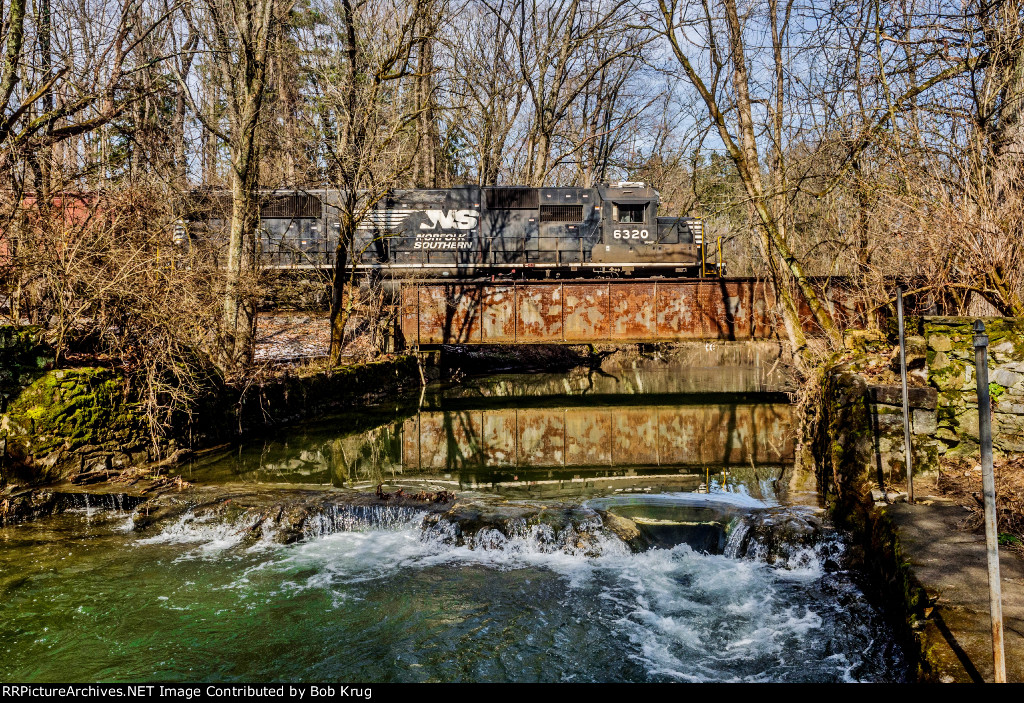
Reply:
x=288, y=515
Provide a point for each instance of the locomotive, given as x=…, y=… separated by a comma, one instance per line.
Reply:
x=501, y=231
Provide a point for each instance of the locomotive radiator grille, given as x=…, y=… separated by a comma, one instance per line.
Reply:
x=512, y=198
x=561, y=213
x=292, y=207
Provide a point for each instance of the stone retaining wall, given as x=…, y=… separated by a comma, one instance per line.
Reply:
x=858, y=434
x=951, y=371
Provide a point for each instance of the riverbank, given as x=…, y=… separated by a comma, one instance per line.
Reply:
x=88, y=423
x=927, y=561
x=949, y=564
x=59, y=423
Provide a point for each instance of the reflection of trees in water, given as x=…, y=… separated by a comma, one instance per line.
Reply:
x=469, y=453
x=337, y=463
x=366, y=456
x=779, y=432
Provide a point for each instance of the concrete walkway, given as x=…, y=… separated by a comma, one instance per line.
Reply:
x=951, y=565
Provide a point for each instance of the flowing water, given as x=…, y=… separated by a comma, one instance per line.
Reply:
x=734, y=581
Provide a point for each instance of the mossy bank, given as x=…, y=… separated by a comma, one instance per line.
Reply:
x=60, y=423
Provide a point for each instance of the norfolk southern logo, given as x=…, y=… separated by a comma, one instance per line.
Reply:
x=438, y=234
x=450, y=219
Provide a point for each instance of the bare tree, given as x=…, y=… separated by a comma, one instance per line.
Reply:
x=740, y=135
x=239, y=36
x=367, y=131
x=489, y=92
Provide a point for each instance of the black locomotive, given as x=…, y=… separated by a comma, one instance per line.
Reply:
x=475, y=232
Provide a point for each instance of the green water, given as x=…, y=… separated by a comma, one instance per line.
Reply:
x=85, y=597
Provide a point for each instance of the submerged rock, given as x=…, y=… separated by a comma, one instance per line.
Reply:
x=625, y=529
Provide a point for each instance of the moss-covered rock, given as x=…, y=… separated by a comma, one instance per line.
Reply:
x=68, y=421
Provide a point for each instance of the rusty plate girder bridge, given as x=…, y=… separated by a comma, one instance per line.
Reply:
x=581, y=312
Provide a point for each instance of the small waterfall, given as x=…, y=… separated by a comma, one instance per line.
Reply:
x=736, y=539
x=789, y=538
x=92, y=503
x=212, y=531
x=221, y=529
x=350, y=518
x=583, y=537
x=793, y=539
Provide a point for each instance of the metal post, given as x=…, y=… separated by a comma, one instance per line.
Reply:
x=906, y=397
x=988, y=483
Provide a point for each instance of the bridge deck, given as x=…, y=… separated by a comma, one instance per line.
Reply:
x=579, y=312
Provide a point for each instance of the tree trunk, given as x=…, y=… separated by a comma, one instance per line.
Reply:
x=239, y=307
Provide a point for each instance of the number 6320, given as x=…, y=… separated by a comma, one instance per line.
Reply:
x=630, y=234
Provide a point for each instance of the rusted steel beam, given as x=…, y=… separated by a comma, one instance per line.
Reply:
x=573, y=312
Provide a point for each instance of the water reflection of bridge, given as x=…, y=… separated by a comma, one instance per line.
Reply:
x=543, y=449
x=645, y=436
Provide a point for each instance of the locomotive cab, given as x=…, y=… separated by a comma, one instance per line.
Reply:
x=634, y=237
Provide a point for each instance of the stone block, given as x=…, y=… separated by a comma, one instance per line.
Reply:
x=923, y=422
x=863, y=340
x=940, y=343
x=968, y=423
x=924, y=398
x=939, y=361
x=1006, y=378
x=890, y=422
x=949, y=377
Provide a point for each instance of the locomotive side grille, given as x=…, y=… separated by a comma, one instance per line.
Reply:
x=292, y=206
x=512, y=198
x=561, y=213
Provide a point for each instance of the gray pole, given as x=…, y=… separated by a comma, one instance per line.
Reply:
x=988, y=483
x=906, y=397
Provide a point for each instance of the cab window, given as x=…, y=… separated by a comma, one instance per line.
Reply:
x=630, y=214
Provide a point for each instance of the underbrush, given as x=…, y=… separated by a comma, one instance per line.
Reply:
x=960, y=479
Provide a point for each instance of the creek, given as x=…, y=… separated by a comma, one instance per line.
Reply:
x=621, y=527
